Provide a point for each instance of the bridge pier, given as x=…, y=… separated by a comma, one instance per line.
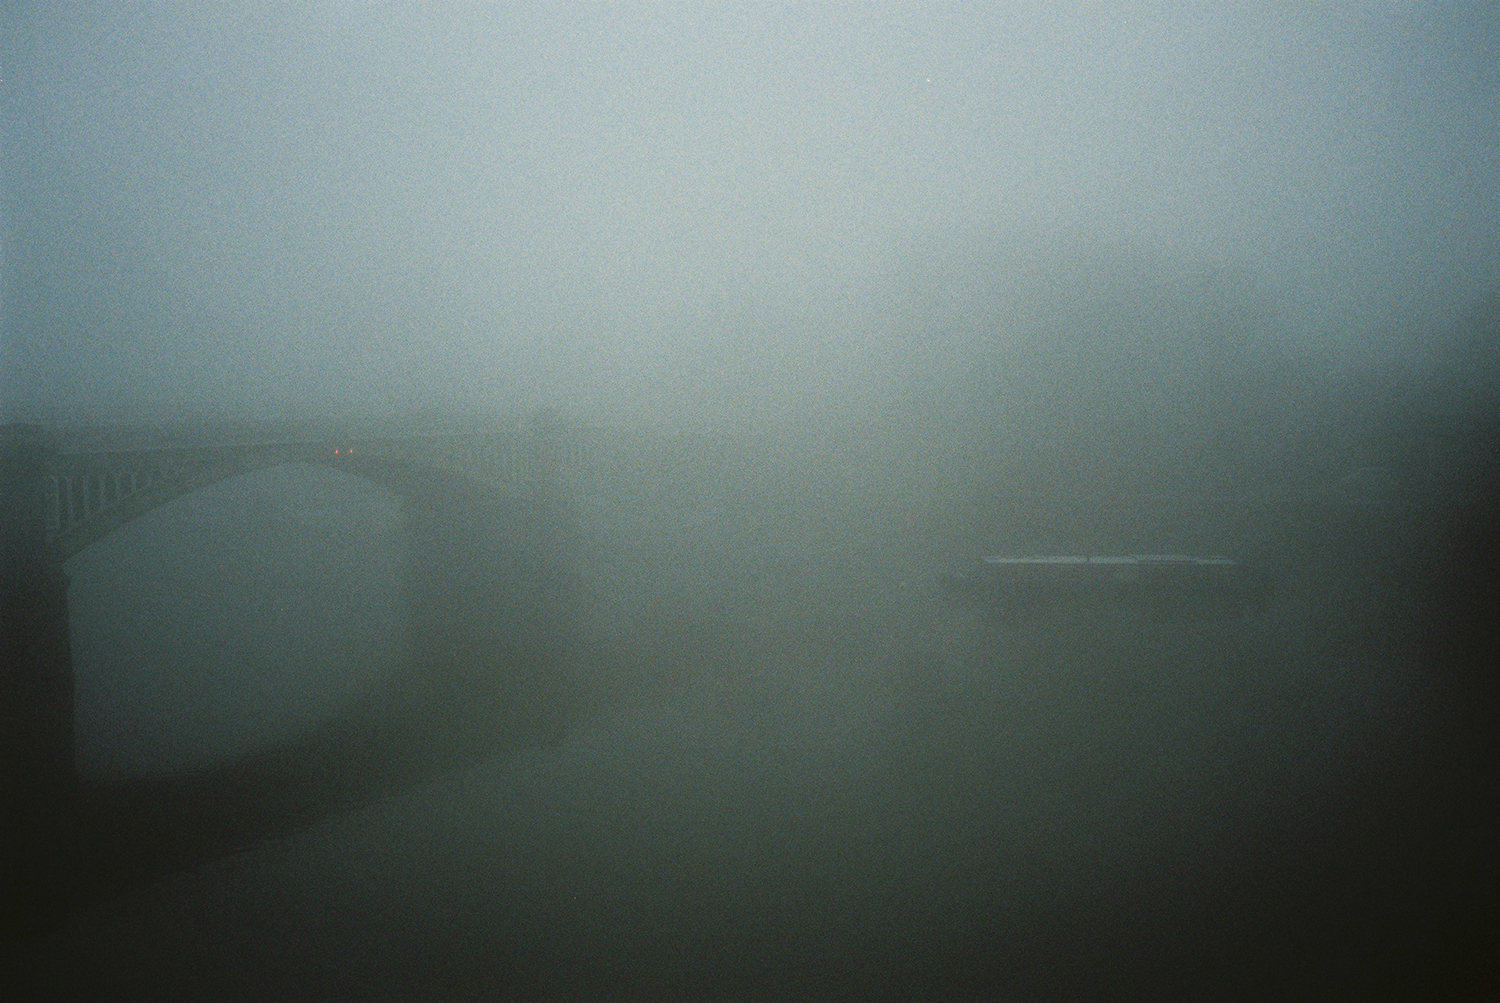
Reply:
x=36, y=664
x=36, y=701
x=38, y=780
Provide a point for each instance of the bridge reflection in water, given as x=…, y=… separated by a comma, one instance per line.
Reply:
x=492, y=594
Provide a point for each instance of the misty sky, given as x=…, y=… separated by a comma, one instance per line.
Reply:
x=260, y=209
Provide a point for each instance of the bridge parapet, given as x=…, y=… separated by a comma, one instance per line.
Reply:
x=88, y=495
x=75, y=497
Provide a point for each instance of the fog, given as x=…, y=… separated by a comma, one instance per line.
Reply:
x=248, y=209
x=790, y=310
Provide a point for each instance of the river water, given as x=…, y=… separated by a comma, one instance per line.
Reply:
x=886, y=804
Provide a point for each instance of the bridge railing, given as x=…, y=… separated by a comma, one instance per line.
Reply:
x=88, y=495
x=79, y=489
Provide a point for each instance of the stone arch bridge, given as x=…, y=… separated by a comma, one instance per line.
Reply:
x=485, y=500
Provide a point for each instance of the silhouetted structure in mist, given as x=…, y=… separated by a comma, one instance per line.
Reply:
x=491, y=602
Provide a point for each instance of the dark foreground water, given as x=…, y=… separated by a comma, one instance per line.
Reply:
x=915, y=803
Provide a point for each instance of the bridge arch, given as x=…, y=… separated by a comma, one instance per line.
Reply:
x=465, y=538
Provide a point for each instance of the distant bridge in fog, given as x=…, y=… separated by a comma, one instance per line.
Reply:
x=488, y=569
x=61, y=496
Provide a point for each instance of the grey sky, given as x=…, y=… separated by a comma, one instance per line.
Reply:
x=264, y=208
